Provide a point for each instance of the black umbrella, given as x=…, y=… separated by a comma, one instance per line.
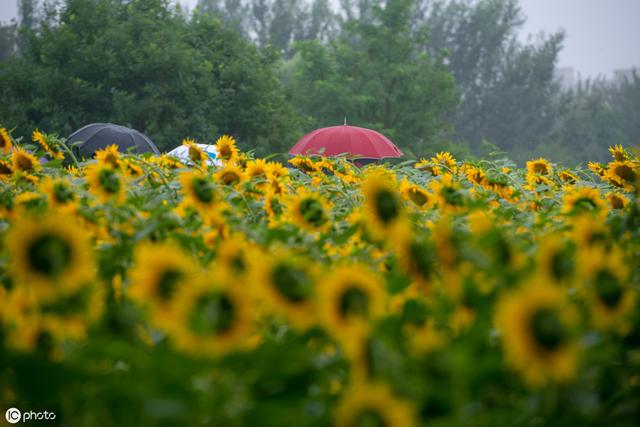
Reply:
x=97, y=136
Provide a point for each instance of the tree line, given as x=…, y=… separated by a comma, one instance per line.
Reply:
x=430, y=74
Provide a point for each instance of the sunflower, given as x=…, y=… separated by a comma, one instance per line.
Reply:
x=535, y=325
x=540, y=166
x=372, y=404
x=106, y=182
x=421, y=333
x=5, y=141
x=168, y=162
x=230, y=174
x=597, y=168
x=475, y=175
x=568, y=177
x=50, y=255
x=257, y=169
x=351, y=299
x=274, y=207
x=622, y=175
x=276, y=171
x=555, y=258
x=383, y=204
x=287, y=286
x=109, y=156
x=160, y=270
x=587, y=232
x=199, y=191
x=418, y=257
x=448, y=193
x=132, y=169
x=217, y=223
x=227, y=150
x=608, y=289
x=618, y=153
x=309, y=210
x=428, y=166
x=26, y=330
x=617, y=200
x=446, y=159
x=420, y=197
x=196, y=155
x=234, y=254
x=582, y=200
x=24, y=161
x=69, y=316
x=305, y=164
x=59, y=192
x=6, y=169
x=44, y=142
x=212, y=317
x=534, y=179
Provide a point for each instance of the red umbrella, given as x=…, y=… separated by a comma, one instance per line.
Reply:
x=351, y=140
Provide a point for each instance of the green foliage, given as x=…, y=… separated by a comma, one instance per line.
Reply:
x=143, y=64
x=374, y=76
x=507, y=88
x=589, y=119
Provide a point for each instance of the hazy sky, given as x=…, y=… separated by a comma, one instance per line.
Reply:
x=602, y=35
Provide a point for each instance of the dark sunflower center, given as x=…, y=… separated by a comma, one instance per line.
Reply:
x=562, y=264
x=292, y=282
x=547, y=329
x=354, y=302
x=625, y=172
x=418, y=197
x=421, y=258
x=225, y=152
x=540, y=168
x=212, y=314
x=238, y=263
x=369, y=417
x=387, y=206
x=584, y=204
x=230, y=177
x=312, y=212
x=63, y=193
x=4, y=169
x=608, y=289
x=203, y=189
x=24, y=163
x=109, y=181
x=306, y=166
x=168, y=283
x=49, y=255
x=617, y=202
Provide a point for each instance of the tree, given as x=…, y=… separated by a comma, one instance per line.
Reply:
x=7, y=40
x=506, y=88
x=592, y=117
x=144, y=64
x=374, y=75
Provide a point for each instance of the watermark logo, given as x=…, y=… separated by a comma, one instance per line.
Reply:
x=13, y=415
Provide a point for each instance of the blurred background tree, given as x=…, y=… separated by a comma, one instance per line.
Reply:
x=431, y=74
x=144, y=64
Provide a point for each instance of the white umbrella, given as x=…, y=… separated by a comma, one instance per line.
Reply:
x=182, y=152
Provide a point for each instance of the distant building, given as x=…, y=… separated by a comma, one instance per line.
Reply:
x=567, y=77
x=619, y=76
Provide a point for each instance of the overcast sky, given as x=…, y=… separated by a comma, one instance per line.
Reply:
x=602, y=35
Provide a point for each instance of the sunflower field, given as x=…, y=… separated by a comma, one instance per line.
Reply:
x=139, y=290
